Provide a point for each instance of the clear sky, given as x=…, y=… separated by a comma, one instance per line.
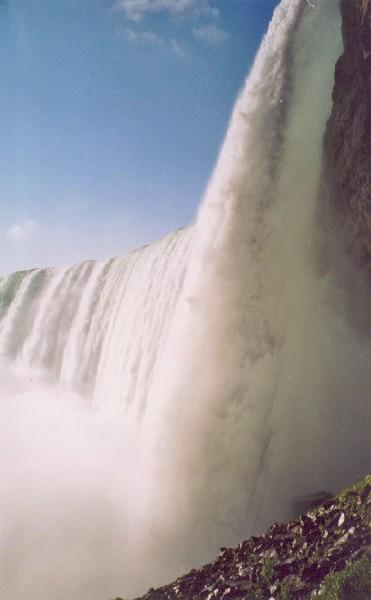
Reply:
x=111, y=117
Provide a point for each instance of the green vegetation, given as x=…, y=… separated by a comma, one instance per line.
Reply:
x=353, y=583
x=287, y=586
x=267, y=569
x=9, y=290
x=352, y=495
x=357, y=488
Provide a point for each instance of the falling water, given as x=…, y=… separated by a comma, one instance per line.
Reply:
x=159, y=405
x=95, y=327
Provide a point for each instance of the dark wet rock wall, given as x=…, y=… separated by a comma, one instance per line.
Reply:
x=348, y=138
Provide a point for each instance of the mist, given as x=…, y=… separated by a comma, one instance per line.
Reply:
x=72, y=485
x=158, y=406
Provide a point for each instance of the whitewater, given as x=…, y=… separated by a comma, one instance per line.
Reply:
x=158, y=406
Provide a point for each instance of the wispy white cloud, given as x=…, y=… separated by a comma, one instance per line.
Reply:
x=144, y=37
x=138, y=9
x=137, y=36
x=21, y=232
x=178, y=49
x=199, y=17
x=210, y=34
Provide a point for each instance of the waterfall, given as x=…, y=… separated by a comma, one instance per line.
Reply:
x=96, y=327
x=159, y=405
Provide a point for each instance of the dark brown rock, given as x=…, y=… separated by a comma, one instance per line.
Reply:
x=299, y=554
x=348, y=138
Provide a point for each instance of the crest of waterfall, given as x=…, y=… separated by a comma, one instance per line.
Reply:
x=96, y=327
x=180, y=399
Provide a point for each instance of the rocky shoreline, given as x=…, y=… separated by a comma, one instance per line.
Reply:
x=325, y=553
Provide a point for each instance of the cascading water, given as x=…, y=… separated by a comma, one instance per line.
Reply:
x=158, y=406
x=95, y=327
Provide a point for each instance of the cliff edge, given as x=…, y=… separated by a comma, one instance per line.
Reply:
x=348, y=137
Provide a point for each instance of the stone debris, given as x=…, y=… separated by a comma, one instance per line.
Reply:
x=294, y=557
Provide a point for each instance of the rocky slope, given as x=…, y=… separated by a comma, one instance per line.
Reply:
x=348, y=139
x=326, y=553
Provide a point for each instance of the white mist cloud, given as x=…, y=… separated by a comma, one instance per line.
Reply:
x=178, y=49
x=200, y=16
x=136, y=10
x=21, y=232
x=142, y=37
x=210, y=34
x=150, y=38
x=69, y=505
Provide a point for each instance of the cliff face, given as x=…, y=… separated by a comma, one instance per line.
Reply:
x=348, y=139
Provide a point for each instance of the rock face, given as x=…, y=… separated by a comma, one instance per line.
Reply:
x=291, y=561
x=348, y=138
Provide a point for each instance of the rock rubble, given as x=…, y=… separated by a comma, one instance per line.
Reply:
x=290, y=561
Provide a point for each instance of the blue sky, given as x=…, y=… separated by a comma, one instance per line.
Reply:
x=111, y=117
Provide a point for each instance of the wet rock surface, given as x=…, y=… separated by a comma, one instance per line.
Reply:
x=348, y=138
x=290, y=561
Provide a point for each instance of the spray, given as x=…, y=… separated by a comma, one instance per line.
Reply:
x=158, y=406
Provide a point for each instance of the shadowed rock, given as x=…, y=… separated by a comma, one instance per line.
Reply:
x=348, y=138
